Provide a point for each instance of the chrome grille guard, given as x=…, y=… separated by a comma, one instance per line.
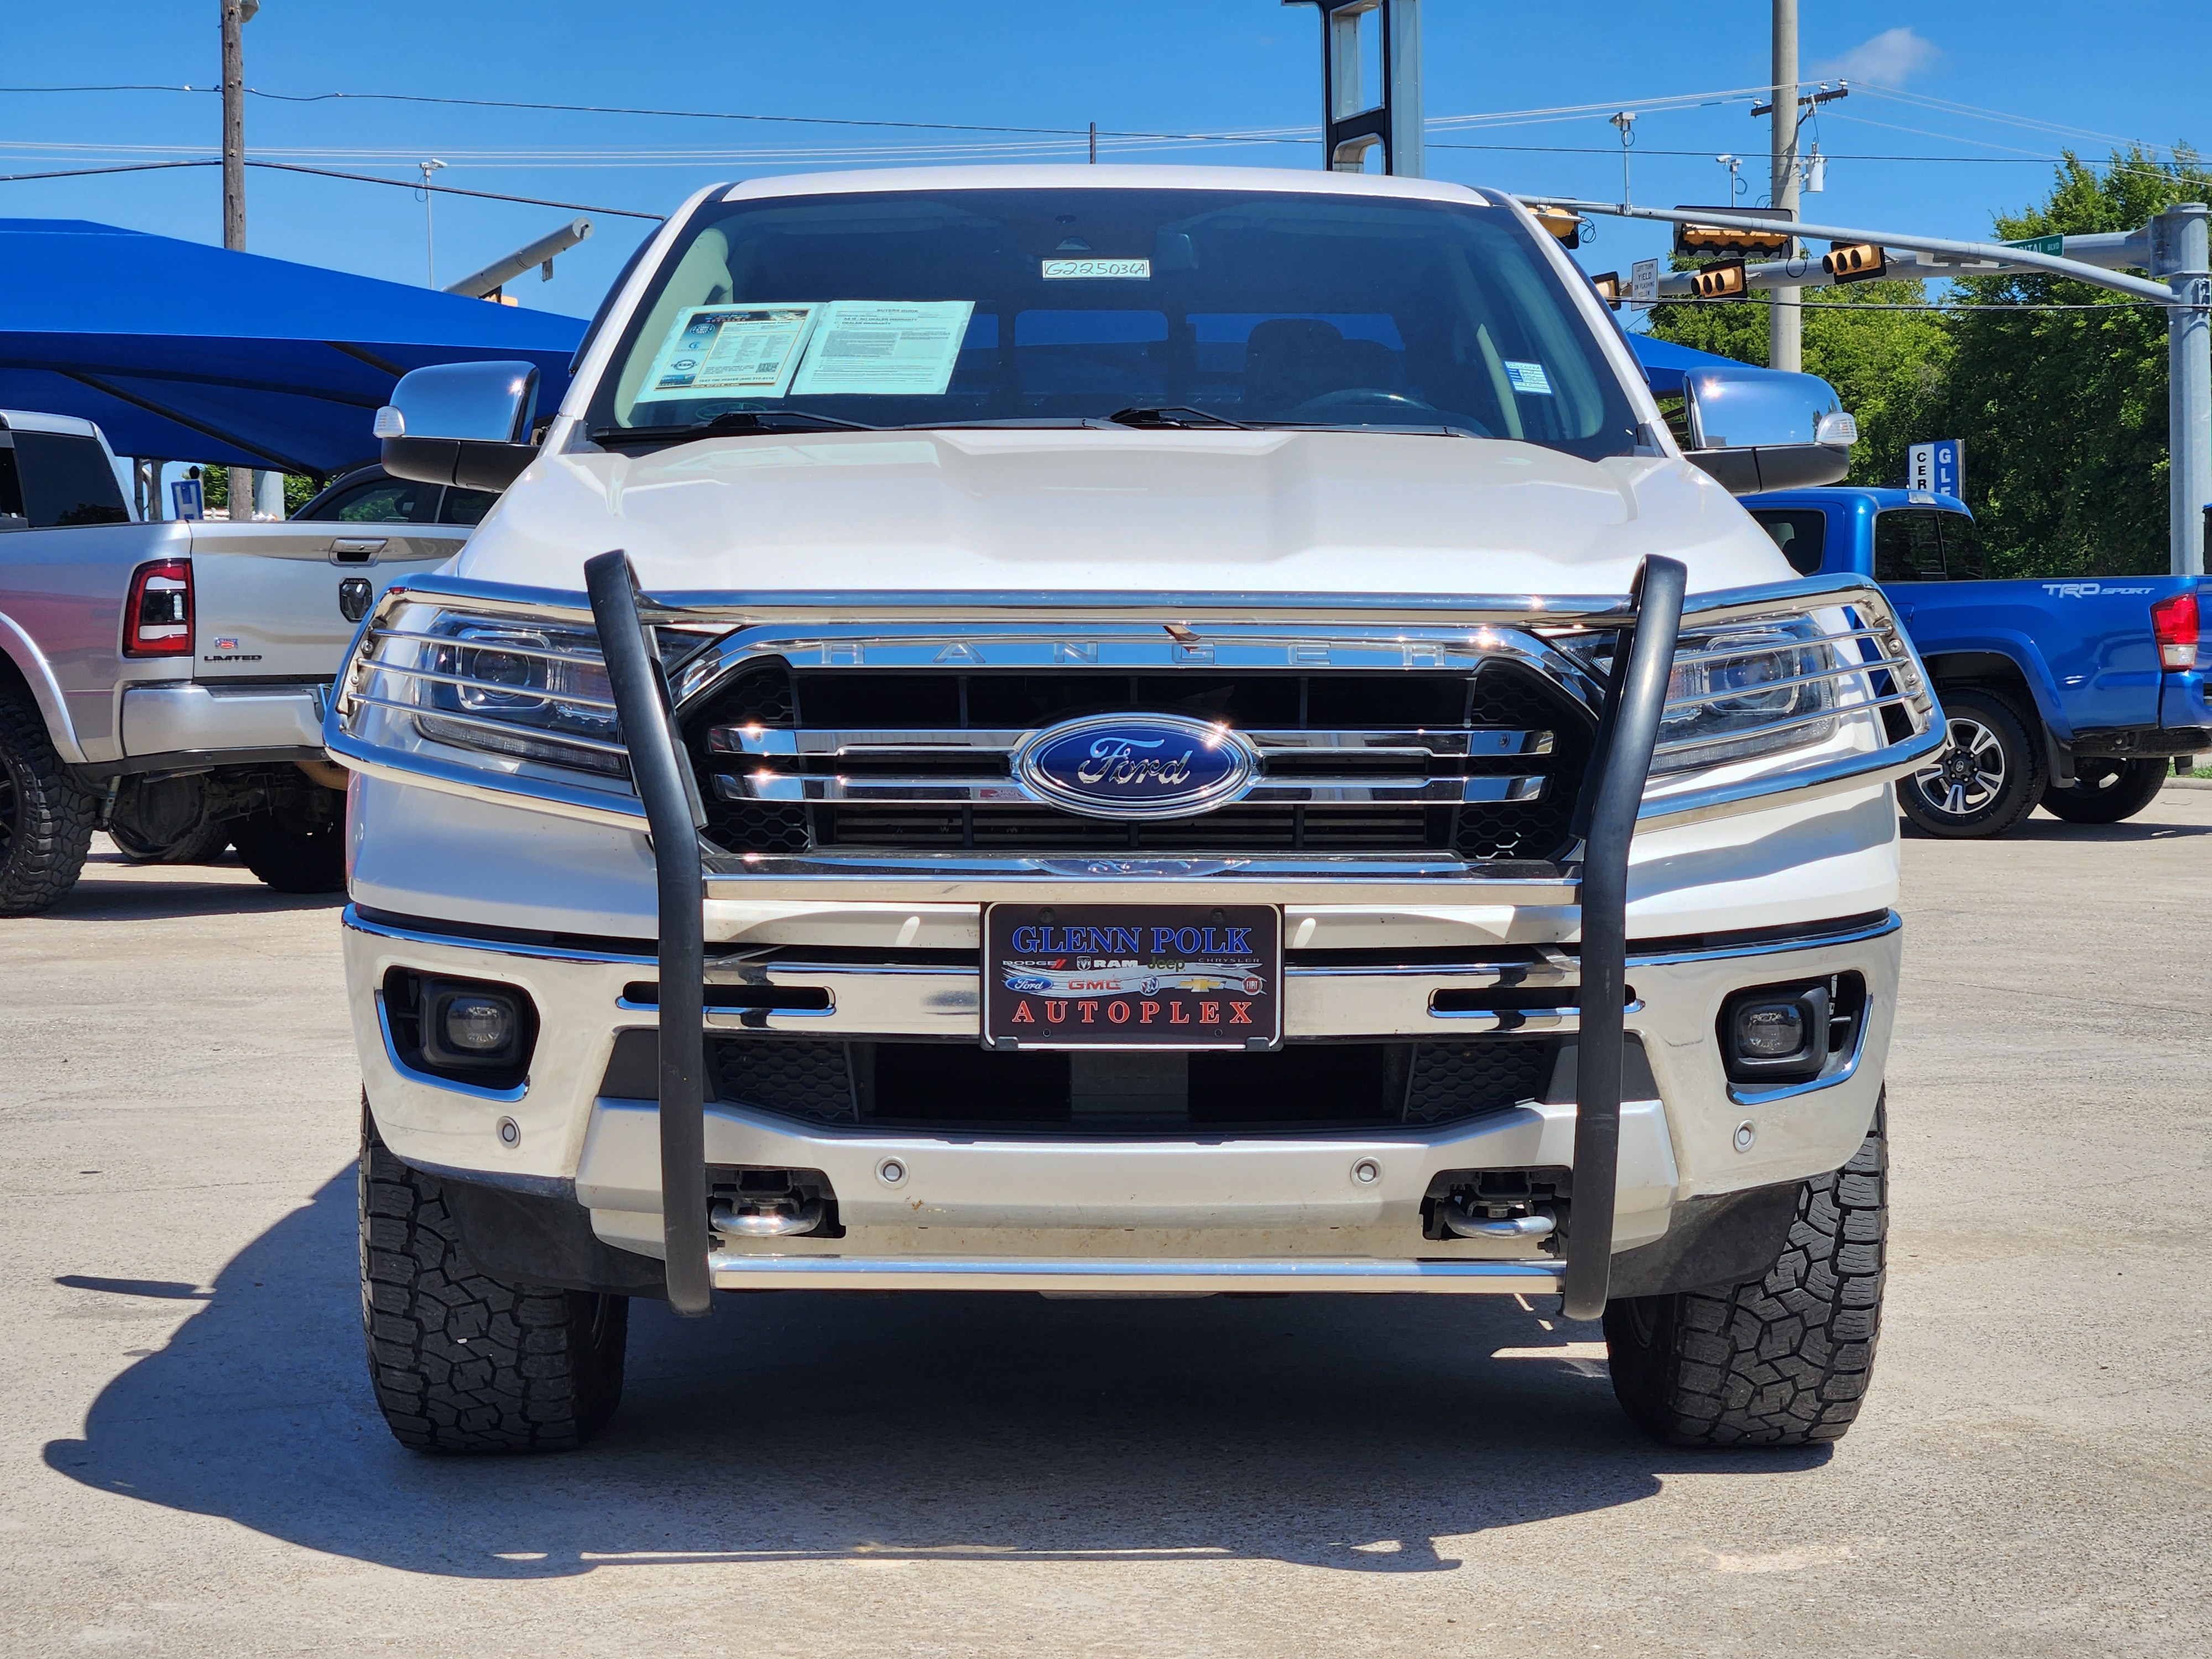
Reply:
x=656, y=790
x=388, y=671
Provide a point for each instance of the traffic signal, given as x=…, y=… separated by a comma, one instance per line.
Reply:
x=1608, y=288
x=1723, y=281
x=1854, y=261
x=1692, y=239
x=1562, y=222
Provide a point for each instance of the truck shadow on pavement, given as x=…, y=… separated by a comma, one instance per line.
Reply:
x=113, y=890
x=1360, y=1433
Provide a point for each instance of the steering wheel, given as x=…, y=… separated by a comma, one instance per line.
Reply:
x=1353, y=395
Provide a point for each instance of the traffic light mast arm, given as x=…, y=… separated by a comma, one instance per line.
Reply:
x=2000, y=258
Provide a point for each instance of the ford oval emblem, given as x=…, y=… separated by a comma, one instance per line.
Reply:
x=1135, y=766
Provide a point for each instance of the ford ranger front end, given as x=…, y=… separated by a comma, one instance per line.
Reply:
x=1137, y=797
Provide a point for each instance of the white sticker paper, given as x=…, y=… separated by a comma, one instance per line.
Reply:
x=883, y=348
x=1064, y=270
x=730, y=350
x=1529, y=380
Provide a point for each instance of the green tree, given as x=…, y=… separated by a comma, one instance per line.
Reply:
x=2063, y=412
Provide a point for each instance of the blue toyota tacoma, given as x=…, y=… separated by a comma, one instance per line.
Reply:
x=2074, y=693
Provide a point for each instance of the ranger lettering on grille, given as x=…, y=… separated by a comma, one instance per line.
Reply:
x=791, y=850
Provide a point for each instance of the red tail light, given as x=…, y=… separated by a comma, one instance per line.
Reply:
x=2174, y=622
x=157, y=617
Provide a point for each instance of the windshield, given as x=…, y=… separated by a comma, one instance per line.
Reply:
x=1155, y=307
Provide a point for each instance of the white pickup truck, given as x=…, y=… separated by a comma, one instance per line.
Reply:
x=1121, y=731
x=165, y=682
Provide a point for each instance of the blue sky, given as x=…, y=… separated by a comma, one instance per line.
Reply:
x=2120, y=69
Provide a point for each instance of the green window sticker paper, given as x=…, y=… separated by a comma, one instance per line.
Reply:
x=883, y=348
x=730, y=350
x=1073, y=270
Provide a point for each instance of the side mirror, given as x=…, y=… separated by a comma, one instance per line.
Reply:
x=1757, y=428
x=461, y=423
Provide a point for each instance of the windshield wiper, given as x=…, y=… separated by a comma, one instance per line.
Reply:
x=732, y=424
x=1171, y=415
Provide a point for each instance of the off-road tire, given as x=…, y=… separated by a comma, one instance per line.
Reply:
x=2108, y=790
x=46, y=815
x=293, y=847
x=1781, y=1361
x=2025, y=769
x=462, y=1362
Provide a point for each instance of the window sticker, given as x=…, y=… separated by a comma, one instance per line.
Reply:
x=1063, y=270
x=1529, y=380
x=883, y=348
x=745, y=351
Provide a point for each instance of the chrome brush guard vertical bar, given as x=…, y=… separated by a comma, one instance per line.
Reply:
x=664, y=782
x=1628, y=731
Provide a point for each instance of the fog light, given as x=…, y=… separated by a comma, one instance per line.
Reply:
x=475, y=1031
x=1770, y=1031
x=476, y=1024
x=1777, y=1033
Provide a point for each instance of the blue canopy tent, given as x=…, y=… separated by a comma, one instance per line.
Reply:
x=1665, y=362
x=186, y=352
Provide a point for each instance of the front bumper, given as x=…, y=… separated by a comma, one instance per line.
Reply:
x=1211, y=1212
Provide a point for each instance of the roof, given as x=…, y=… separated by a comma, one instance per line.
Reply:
x=1881, y=498
x=1665, y=362
x=35, y=420
x=187, y=352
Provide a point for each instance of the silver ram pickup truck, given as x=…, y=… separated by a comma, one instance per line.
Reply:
x=1121, y=731
x=167, y=682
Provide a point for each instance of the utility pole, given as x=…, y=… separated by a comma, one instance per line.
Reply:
x=236, y=14
x=2182, y=253
x=1785, y=338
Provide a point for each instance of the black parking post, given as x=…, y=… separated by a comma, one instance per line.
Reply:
x=674, y=816
x=1629, y=731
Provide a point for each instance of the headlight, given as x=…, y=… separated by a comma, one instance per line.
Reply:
x=1739, y=693
x=519, y=691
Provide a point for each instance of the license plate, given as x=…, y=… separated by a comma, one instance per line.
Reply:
x=1133, y=976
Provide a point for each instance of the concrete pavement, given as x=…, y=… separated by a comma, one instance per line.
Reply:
x=190, y=1462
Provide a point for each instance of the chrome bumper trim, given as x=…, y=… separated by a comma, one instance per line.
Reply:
x=171, y=717
x=753, y=1273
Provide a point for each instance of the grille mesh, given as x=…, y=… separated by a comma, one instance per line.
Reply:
x=795, y=1076
x=1498, y=694
x=1455, y=1080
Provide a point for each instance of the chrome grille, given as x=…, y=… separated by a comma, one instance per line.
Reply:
x=1483, y=762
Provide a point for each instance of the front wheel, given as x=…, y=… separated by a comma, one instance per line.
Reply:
x=1783, y=1360
x=1987, y=777
x=296, y=844
x=460, y=1361
x=2106, y=790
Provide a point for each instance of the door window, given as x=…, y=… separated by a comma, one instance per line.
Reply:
x=1963, y=558
x=1801, y=533
x=66, y=480
x=1908, y=546
x=379, y=501
x=466, y=506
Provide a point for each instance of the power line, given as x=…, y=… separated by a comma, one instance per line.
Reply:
x=328, y=173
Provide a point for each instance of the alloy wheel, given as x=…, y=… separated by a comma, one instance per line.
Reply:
x=1969, y=772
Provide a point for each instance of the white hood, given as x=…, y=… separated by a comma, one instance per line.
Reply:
x=1177, y=511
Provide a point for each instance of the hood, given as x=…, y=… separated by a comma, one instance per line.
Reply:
x=1135, y=511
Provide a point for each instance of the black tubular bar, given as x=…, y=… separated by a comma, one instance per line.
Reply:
x=673, y=814
x=1636, y=699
